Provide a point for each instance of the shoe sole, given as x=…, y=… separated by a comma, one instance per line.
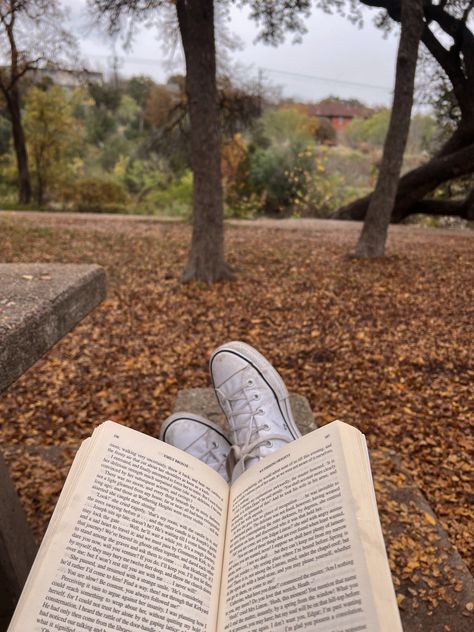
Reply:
x=273, y=379
x=182, y=415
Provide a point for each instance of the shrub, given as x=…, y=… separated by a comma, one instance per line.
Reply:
x=272, y=165
x=174, y=198
x=94, y=194
x=371, y=130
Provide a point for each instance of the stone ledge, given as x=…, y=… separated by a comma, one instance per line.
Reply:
x=433, y=584
x=39, y=304
x=17, y=546
x=405, y=513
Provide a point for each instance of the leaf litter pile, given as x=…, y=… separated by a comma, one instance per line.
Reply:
x=385, y=345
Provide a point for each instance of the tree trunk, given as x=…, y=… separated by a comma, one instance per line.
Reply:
x=206, y=257
x=24, y=186
x=374, y=233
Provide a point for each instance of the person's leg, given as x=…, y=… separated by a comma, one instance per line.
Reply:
x=200, y=437
x=255, y=401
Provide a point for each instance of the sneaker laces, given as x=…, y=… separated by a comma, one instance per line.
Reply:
x=212, y=452
x=238, y=454
x=252, y=441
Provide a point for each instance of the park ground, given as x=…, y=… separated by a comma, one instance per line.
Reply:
x=385, y=345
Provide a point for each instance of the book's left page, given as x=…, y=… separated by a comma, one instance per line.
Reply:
x=135, y=542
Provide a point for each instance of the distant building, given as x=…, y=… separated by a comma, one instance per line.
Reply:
x=66, y=78
x=339, y=113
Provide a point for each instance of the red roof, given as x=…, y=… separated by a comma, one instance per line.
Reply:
x=331, y=109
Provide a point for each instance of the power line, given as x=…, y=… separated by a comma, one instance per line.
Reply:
x=339, y=81
x=128, y=60
x=154, y=62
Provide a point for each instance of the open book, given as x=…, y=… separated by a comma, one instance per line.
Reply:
x=147, y=538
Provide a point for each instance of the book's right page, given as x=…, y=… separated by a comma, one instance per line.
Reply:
x=304, y=547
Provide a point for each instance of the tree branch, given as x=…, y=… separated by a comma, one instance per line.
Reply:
x=176, y=116
x=449, y=62
x=458, y=30
x=379, y=4
x=449, y=208
x=467, y=11
x=31, y=65
x=415, y=184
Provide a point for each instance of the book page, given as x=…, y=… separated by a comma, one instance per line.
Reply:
x=295, y=557
x=135, y=542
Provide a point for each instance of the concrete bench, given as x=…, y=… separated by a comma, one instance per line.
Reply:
x=39, y=304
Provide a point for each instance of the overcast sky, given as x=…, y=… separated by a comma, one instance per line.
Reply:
x=335, y=56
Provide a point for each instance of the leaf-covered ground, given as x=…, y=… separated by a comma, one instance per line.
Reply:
x=384, y=345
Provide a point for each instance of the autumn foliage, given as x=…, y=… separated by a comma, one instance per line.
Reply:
x=385, y=346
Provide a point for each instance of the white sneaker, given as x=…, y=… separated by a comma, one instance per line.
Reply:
x=255, y=401
x=200, y=437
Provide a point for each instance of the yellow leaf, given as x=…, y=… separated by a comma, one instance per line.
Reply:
x=429, y=518
x=401, y=598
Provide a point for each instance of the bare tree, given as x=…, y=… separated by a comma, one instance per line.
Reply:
x=33, y=38
x=374, y=233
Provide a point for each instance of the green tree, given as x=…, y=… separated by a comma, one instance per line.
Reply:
x=106, y=96
x=33, y=37
x=166, y=114
x=325, y=132
x=372, y=130
x=278, y=161
x=52, y=135
x=423, y=133
x=139, y=88
x=288, y=127
x=101, y=118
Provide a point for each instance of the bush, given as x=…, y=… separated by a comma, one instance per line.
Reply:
x=94, y=194
x=357, y=169
x=174, y=198
x=371, y=130
x=273, y=165
x=113, y=150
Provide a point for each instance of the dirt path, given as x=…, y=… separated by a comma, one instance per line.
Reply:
x=148, y=224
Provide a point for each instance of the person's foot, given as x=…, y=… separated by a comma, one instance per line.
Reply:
x=255, y=401
x=200, y=437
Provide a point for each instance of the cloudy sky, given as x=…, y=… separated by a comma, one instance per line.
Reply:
x=335, y=57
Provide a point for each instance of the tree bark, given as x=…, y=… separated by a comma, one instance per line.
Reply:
x=374, y=233
x=19, y=143
x=206, y=257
